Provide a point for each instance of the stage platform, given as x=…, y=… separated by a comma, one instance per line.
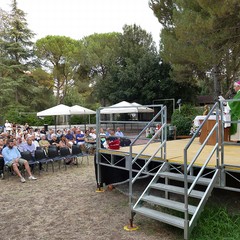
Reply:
x=175, y=153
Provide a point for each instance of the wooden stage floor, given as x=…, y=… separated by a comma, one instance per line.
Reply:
x=175, y=153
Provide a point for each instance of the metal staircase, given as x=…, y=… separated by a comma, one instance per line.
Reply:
x=157, y=201
x=177, y=196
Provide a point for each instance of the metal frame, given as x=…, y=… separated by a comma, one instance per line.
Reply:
x=217, y=175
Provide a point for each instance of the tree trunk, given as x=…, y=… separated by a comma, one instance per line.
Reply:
x=216, y=81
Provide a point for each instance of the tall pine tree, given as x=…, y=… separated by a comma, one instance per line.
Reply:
x=17, y=86
x=201, y=41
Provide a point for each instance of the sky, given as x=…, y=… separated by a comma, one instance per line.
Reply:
x=80, y=18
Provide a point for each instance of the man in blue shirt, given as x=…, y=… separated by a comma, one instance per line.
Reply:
x=29, y=146
x=119, y=133
x=12, y=158
x=80, y=137
x=70, y=136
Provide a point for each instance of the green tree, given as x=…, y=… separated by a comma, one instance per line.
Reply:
x=16, y=60
x=122, y=80
x=200, y=40
x=44, y=97
x=57, y=54
x=138, y=73
x=100, y=53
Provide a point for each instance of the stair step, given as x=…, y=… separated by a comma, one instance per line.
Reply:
x=160, y=216
x=175, y=205
x=175, y=189
x=180, y=177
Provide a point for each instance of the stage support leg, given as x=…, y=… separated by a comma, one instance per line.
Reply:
x=223, y=178
x=131, y=226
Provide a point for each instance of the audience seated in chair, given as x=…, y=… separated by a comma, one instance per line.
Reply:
x=44, y=143
x=20, y=144
x=119, y=133
x=103, y=138
x=29, y=146
x=80, y=139
x=13, y=159
x=70, y=137
x=90, y=142
x=34, y=141
x=54, y=140
x=1, y=159
x=64, y=142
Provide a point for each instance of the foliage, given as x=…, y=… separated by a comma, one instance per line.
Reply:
x=200, y=39
x=132, y=72
x=183, y=119
x=135, y=77
x=57, y=54
x=17, y=87
x=27, y=117
x=100, y=53
x=217, y=223
x=100, y=69
x=83, y=119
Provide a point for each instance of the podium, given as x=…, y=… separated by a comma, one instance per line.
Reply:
x=207, y=127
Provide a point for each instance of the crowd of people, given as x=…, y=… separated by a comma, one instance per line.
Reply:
x=16, y=139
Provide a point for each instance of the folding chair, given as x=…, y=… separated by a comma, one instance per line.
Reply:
x=54, y=155
x=42, y=158
x=77, y=152
x=65, y=153
x=31, y=161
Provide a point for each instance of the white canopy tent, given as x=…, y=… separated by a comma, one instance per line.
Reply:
x=142, y=108
x=125, y=107
x=64, y=110
x=58, y=110
x=79, y=110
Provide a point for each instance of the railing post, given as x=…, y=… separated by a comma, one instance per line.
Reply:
x=97, y=149
x=186, y=217
x=129, y=158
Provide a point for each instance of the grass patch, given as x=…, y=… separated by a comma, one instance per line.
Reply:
x=216, y=223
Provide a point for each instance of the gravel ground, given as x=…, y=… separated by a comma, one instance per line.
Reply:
x=65, y=205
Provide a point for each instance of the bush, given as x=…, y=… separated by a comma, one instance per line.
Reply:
x=30, y=118
x=183, y=119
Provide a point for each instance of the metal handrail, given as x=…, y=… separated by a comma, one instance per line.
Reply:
x=202, y=147
x=196, y=134
x=149, y=142
x=202, y=169
x=187, y=168
x=148, y=125
x=149, y=160
x=164, y=125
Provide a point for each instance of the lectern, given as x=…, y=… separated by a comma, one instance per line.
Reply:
x=208, y=126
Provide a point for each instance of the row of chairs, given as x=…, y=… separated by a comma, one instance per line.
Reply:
x=54, y=155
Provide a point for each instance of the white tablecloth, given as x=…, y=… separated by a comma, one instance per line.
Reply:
x=226, y=117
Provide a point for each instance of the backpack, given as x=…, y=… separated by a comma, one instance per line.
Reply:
x=115, y=144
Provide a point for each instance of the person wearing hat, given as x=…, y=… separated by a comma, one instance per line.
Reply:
x=235, y=113
x=12, y=158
